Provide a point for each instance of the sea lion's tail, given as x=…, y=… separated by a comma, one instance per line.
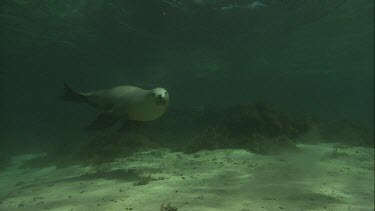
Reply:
x=71, y=95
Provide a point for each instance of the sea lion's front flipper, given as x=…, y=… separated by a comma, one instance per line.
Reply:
x=104, y=120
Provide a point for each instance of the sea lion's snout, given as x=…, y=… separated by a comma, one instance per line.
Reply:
x=161, y=96
x=160, y=100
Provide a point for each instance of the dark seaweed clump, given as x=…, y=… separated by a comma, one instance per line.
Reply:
x=263, y=118
x=99, y=147
x=347, y=132
x=105, y=146
x=167, y=207
x=258, y=127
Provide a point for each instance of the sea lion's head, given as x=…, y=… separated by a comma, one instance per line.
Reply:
x=160, y=96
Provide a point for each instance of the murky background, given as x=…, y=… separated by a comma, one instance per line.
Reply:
x=310, y=56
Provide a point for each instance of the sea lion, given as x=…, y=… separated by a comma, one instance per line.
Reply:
x=121, y=102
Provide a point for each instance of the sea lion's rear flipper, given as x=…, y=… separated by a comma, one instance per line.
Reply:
x=71, y=95
x=104, y=120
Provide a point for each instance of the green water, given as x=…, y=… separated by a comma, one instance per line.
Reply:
x=303, y=56
x=314, y=57
x=294, y=66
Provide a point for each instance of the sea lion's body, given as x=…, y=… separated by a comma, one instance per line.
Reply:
x=123, y=102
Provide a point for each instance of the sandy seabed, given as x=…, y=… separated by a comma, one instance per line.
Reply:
x=319, y=177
